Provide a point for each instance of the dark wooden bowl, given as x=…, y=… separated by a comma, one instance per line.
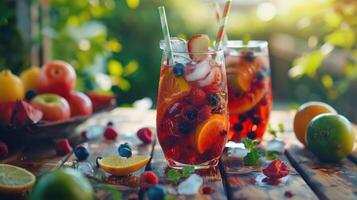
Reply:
x=49, y=130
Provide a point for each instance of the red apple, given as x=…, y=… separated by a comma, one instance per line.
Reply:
x=54, y=107
x=57, y=77
x=80, y=104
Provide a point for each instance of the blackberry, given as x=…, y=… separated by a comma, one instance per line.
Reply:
x=213, y=99
x=249, y=56
x=185, y=127
x=238, y=127
x=252, y=135
x=191, y=114
x=242, y=118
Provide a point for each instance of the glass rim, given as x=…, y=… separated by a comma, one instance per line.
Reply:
x=250, y=44
x=209, y=52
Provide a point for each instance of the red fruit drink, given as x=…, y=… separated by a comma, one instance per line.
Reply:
x=249, y=89
x=192, y=117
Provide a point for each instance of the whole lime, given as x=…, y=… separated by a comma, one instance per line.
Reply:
x=330, y=137
x=62, y=184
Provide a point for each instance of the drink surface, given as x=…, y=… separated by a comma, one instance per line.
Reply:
x=192, y=117
x=249, y=94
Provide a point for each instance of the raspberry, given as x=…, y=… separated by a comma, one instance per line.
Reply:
x=81, y=152
x=276, y=169
x=207, y=190
x=156, y=193
x=197, y=97
x=110, y=133
x=148, y=179
x=63, y=147
x=204, y=113
x=124, y=150
x=4, y=150
x=145, y=135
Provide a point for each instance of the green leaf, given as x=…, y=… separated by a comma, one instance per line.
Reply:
x=186, y=171
x=248, y=144
x=174, y=176
x=281, y=127
x=115, y=68
x=170, y=197
x=271, y=131
x=272, y=155
x=342, y=38
x=130, y=68
x=123, y=84
x=252, y=158
x=307, y=64
x=115, y=194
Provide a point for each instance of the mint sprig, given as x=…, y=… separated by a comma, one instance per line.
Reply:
x=175, y=176
x=274, y=132
x=252, y=158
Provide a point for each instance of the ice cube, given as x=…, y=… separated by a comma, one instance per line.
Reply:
x=275, y=145
x=177, y=44
x=200, y=70
x=238, y=152
x=182, y=58
x=85, y=167
x=215, y=72
x=191, y=185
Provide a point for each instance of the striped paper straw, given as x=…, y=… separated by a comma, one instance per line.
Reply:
x=222, y=24
x=165, y=31
x=218, y=18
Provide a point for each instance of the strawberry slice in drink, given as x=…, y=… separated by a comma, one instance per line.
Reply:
x=198, y=46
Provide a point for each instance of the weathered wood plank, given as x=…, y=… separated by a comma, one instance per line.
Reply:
x=211, y=178
x=329, y=181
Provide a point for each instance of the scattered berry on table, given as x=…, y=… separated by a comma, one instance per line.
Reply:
x=213, y=99
x=288, y=194
x=238, y=127
x=63, y=147
x=276, y=169
x=110, y=123
x=156, y=193
x=185, y=127
x=110, y=133
x=124, y=150
x=204, y=113
x=197, y=97
x=81, y=152
x=30, y=94
x=252, y=135
x=148, y=179
x=4, y=150
x=145, y=135
x=207, y=190
x=178, y=69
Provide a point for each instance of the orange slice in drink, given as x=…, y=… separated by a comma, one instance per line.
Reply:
x=171, y=89
x=208, y=132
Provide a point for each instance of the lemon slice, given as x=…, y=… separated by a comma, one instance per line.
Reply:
x=120, y=166
x=15, y=179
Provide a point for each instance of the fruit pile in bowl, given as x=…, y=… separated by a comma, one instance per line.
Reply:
x=42, y=101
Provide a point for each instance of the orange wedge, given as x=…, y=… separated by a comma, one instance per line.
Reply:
x=121, y=166
x=208, y=132
x=171, y=89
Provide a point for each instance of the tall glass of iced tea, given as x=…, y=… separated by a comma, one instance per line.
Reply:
x=192, y=117
x=249, y=89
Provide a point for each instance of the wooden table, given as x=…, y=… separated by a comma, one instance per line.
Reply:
x=308, y=179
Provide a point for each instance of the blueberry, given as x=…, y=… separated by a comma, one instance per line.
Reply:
x=156, y=193
x=191, y=114
x=178, y=69
x=260, y=75
x=242, y=118
x=110, y=123
x=185, y=127
x=125, y=145
x=30, y=94
x=124, y=152
x=251, y=113
x=256, y=121
x=81, y=152
x=249, y=56
x=238, y=127
x=252, y=135
x=213, y=99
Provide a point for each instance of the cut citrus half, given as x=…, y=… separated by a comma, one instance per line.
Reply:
x=15, y=179
x=245, y=75
x=209, y=131
x=121, y=166
x=171, y=89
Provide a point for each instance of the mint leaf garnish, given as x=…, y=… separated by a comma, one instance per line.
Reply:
x=174, y=176
x=186, y=171
x=272, y=155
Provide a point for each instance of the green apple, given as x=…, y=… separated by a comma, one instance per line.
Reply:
x=54, y=107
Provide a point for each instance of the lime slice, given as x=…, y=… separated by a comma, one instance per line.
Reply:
x=15, y=179
x=120, y=166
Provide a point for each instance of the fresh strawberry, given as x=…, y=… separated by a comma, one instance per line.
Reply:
x=63, y=147
x=100, y=100
x=197, y=47
x=145, y=135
